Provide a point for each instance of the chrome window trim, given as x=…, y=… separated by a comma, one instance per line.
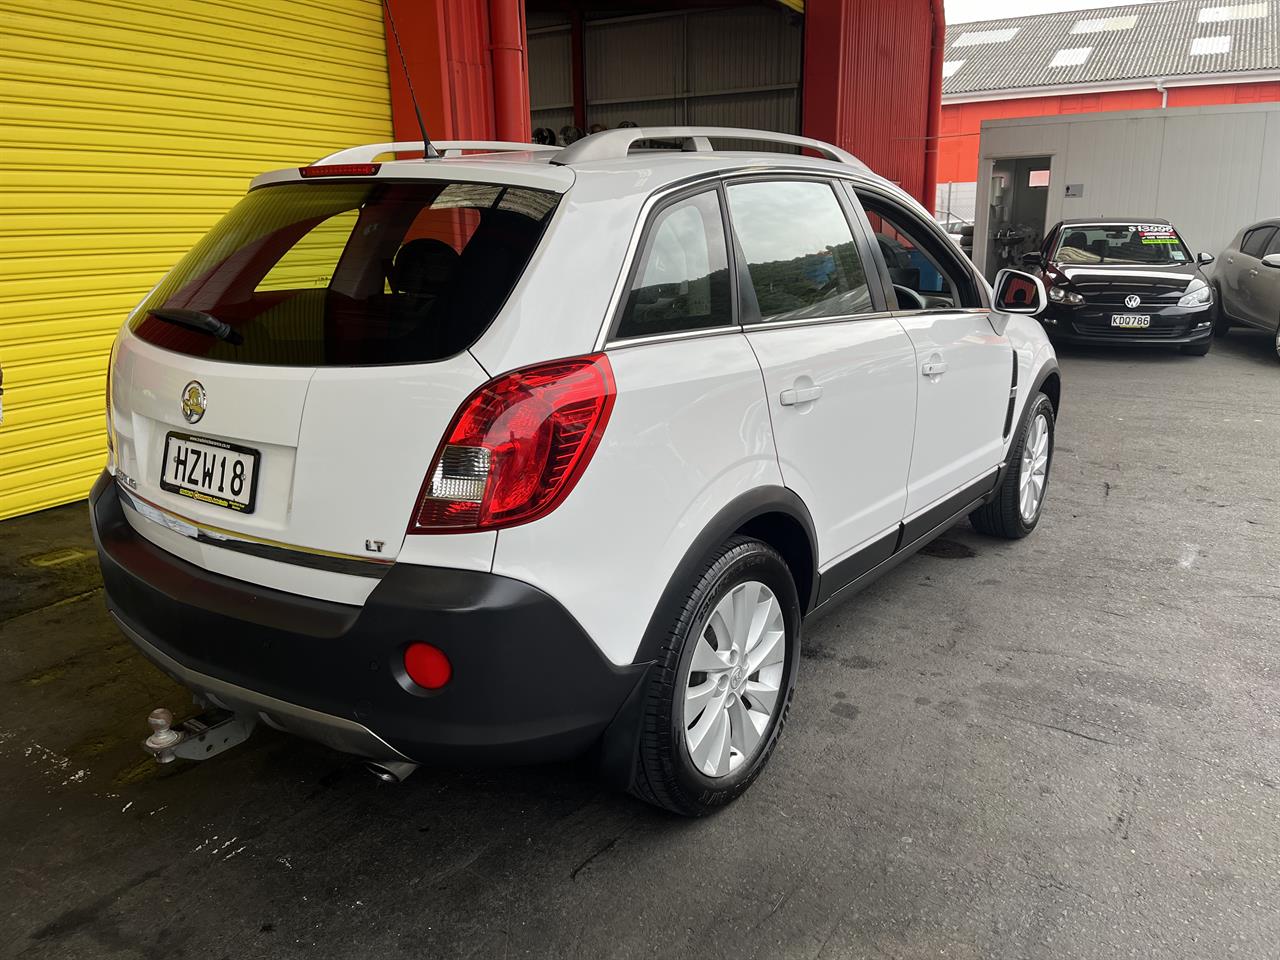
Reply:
x=939, y=310
x=816, y=321
x=676, y=335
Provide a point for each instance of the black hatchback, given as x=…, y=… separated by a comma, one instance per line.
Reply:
x=1124, y=281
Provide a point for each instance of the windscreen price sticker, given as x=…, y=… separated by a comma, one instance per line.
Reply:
x=1155, y=233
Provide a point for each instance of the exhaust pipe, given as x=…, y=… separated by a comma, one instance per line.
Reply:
x=390, y=771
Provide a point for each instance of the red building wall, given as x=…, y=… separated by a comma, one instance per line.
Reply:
x=469, y=65
x=870, y=82
x=962, y=122
x=872, y=77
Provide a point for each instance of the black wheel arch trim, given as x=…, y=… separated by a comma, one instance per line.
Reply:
x=616, y=761
x=735, y=515
x=1049, y=369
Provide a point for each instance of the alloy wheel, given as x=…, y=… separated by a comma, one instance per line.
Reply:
x=1035, y=468
x=735, y=678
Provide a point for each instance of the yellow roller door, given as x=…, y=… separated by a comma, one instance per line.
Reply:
x=126, y=129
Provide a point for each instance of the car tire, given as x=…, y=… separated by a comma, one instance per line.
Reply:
x=1006, y=515
x=668, y=771
x=1278, y=343
x=1197, y=349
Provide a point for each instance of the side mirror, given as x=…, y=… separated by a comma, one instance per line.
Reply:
x=1032, y=260
x=1018, y=292
x=1271, y=260
x=1204, y=258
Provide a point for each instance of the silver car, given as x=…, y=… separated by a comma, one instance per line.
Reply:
x=1247, y=280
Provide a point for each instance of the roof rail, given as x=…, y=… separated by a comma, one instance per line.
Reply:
x=617, y=143
x=370, y=151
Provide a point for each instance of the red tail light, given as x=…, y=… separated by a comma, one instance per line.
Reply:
x=516, y=447
x=340, y=170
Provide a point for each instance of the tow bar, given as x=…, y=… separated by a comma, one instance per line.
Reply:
x=198, y=738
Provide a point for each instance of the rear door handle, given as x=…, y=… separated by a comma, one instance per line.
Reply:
x=933, y=368
x=789, y=398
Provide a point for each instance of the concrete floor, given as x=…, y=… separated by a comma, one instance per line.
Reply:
x=1063, y=747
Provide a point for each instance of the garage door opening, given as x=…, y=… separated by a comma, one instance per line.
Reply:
x=722, y=67
x=1019, y=199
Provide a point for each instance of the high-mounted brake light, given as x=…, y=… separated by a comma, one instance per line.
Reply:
x=340, y=170
x=516, y=447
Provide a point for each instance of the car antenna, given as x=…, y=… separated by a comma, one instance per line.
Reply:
x=428, y=151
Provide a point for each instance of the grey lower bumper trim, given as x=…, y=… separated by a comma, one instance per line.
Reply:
x=346, y=736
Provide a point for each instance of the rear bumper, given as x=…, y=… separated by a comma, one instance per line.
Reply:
x=528, y=684
x=1091, y=324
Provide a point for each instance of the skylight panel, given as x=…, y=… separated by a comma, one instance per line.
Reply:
x=1202, y=46
x=951, y=66
x=1239, y=11
x=1104, y=24
x=975, y=37
x=1070, y=56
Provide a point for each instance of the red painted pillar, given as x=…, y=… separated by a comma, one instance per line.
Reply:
x=422, y=36
x=869, y=84
x=825, y=31
x=469, y=67
x=933, y=128
x=510, y=70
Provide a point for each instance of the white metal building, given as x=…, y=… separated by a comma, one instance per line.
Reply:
x=1208, y=170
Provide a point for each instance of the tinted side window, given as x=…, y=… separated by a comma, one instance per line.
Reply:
x=1274, y=246
x=918, y=262
x=1255, y=241
x=682, y=282
x=800, y=252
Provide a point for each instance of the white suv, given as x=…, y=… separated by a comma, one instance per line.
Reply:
x=513, y=454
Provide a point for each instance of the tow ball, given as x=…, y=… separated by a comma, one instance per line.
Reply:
x=198, y=738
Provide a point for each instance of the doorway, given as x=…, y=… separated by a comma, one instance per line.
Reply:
x=1019, y=198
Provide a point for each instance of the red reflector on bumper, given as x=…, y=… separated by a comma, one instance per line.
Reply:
x=427, y=666
x=341, y=170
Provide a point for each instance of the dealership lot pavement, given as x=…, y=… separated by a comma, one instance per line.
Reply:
x=1064, y=747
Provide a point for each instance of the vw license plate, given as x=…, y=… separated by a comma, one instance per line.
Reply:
x=210, y=471
x=1138, y=321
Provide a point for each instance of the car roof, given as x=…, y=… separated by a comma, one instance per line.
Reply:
x=606, y=161
x=1104, y=221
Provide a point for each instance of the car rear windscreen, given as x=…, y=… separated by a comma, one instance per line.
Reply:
x=348, y=274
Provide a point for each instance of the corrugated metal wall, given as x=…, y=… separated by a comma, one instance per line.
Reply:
x=737, y=67
x=127, y=130
x=867, y=83
x=550, y=72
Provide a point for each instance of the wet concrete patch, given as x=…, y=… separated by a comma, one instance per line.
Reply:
x=846, y=710
x=945, y=549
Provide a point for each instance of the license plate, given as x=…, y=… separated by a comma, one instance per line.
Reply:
x=210, y=471
x=1136, y=320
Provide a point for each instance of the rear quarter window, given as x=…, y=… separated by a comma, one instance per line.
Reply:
x=348, y=274
x=681, y=280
